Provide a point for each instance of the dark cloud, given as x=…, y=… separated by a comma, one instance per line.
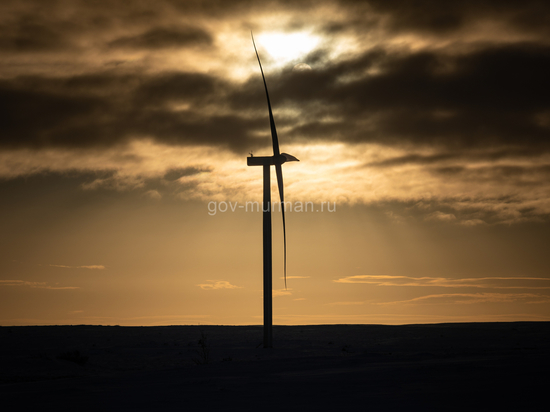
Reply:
x=174, y=174
x=491, y=96
x=30, y=34
x=520, y=176
x=485, y=95
x=414, y=159
x=159, y=38
x=437, y=17
x=34, y=25
x=32, y=117
x=441, y=158
x=106, y=109
x=467, y=210
x=180, y=87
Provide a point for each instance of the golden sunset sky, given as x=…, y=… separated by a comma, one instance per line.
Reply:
x=125, y=128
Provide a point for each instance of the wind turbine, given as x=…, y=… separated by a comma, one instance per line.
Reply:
x=276, y=160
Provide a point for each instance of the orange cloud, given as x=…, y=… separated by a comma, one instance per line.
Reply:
x=38, y=285
x=217, y=284
x=99, y=267
x=471, y=298
x=485, y=282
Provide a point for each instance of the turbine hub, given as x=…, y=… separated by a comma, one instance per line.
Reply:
x=287, y=158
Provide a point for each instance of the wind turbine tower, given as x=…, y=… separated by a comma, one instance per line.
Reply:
x=276, y=160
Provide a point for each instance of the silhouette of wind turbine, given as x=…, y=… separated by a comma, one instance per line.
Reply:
x=277, y=160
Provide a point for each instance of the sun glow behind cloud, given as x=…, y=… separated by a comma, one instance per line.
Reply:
x=285, y=47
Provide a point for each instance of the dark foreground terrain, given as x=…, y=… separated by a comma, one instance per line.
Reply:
x=475, y=366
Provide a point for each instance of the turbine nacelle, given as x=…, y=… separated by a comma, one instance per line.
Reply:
x=276, y=160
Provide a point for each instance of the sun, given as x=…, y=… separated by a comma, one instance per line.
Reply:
x=285, y=47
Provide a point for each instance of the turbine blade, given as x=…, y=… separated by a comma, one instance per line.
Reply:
x=279, y=170
x=271, y=121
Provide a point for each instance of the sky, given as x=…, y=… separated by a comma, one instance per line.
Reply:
x=422, y=193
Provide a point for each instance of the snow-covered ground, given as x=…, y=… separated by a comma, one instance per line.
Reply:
x=474, y=366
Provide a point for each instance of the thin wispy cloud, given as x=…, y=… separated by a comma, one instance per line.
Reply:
x=152, y=194
x=484, y=282
x=281, y=292
x=446, y=217
x=473, y=298
x=217, y=284
x=296, y=277
x=345, y=303
x=97, y=267
x=36, y=285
